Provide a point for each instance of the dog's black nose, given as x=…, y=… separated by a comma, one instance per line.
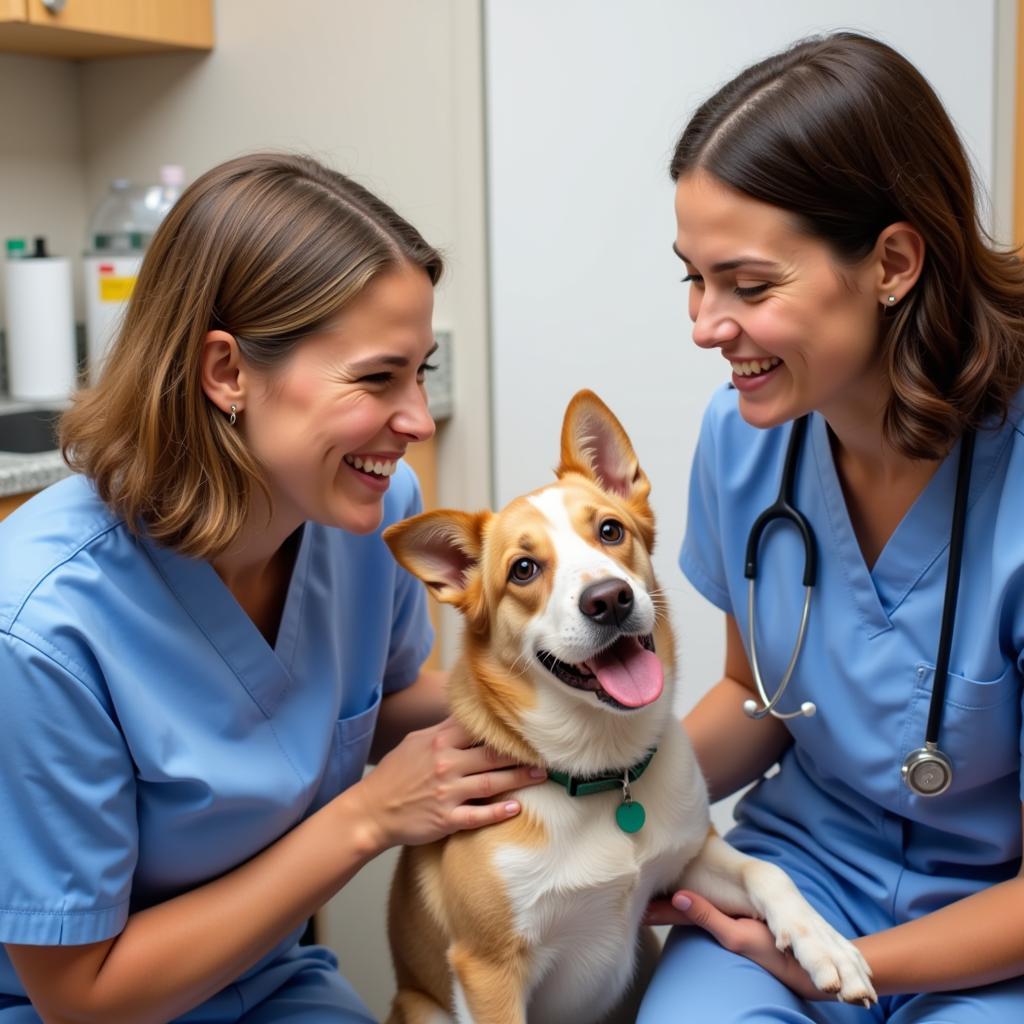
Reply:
x=607, y=601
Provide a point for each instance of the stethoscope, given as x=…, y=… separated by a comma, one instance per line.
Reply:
x=927, y=771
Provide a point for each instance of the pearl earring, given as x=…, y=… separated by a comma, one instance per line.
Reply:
x=892, y=299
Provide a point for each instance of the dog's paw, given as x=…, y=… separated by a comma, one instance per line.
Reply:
x=833, y=963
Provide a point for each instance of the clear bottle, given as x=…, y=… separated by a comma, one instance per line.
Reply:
x=119, y=233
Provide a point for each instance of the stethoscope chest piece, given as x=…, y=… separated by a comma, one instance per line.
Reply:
x=927, y=771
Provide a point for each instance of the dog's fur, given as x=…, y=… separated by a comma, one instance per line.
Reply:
x=537, y=919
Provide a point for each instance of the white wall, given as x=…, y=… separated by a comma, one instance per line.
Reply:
x=585, y=100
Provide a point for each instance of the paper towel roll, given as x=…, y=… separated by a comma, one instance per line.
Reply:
x=40, y=328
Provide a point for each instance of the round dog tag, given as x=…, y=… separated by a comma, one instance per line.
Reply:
x=630, y=816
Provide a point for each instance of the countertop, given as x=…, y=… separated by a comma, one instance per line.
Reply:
x=20, y=474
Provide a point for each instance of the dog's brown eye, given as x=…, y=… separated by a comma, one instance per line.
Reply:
x=523, y=570
x=612, y=532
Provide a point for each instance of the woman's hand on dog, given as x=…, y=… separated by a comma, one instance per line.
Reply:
x=438, y=781
x=745, y=936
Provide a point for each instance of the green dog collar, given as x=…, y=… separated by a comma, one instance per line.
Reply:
x=584, y=785
x=630, y=814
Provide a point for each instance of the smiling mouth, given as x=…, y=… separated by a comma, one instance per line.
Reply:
x=372, y=467
x=755, y=367
x=625, y=650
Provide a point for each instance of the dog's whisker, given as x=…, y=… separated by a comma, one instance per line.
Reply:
x=520, y=666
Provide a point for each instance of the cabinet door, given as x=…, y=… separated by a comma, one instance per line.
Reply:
x=105, y=28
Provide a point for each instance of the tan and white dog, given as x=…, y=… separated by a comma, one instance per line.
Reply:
x=569, y=663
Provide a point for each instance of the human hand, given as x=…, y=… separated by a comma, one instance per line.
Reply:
x=422, y=790
x=745, y=936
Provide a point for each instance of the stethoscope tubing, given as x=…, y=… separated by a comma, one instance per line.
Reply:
x=782, y=509
x=956, y=550
x=769, y=704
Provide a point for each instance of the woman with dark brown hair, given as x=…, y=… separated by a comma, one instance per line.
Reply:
x=827, y=221
x=203, y=638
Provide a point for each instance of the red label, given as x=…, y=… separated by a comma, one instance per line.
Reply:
x=106, y=268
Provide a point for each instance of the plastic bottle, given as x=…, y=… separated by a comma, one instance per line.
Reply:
x=119, y=233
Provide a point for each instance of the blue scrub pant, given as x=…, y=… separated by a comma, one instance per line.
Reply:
x=698, y=980
x=314, y=993
x=302, y=987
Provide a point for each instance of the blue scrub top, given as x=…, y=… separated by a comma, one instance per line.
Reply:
x=150, y=738
x=837, y=812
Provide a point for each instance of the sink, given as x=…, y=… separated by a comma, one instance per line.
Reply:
x=29, y=431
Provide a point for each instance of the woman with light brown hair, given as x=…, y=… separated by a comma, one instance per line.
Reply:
x=834, y=256
x=203, y=638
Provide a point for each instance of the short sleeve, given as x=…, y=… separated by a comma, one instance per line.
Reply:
x=701, y=556
x=412, y=636
x=69, y=837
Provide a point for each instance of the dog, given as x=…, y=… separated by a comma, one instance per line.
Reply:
x=568, y=663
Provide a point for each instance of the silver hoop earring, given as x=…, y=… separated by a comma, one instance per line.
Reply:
x=233, y=418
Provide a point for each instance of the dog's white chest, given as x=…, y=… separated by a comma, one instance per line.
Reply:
x=589, y=862
x=578, y=898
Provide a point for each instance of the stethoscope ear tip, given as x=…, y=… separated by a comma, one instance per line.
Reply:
x=750, y=709
x=808, y=708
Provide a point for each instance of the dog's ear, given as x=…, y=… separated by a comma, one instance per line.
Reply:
x=595, y=445
x=442, y=548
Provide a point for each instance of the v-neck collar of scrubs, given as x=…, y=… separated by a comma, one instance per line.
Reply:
x=263, y=670
x=921, y=536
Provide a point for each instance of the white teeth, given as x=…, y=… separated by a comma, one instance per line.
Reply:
x=385, y=468
x=749, y=368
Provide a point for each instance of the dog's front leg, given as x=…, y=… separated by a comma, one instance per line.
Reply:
x=488, y=990
x=747, y=887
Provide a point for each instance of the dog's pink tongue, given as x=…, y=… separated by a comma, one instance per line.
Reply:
x=629, y=673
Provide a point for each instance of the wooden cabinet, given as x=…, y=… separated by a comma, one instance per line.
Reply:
x=81, y=29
